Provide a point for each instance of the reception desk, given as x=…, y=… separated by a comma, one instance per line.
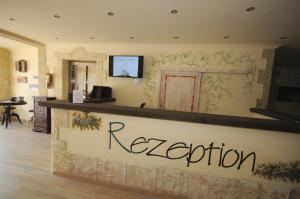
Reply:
x=188, y=155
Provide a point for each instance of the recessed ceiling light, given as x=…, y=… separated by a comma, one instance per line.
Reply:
x=92, y=38
x=131, y=37
x=283, y=38
x=12, y=19
x=175, y=37
x=250, y=9
x=110, y=14
x=174, y=11
x=226, y=36
x=56, y=16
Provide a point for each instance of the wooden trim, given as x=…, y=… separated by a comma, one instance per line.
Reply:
x=234, y=121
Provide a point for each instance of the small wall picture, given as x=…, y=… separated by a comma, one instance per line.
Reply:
x=21, y=79
x=21, y=66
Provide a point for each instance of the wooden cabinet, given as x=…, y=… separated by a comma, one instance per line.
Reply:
x=42, y=115
x=180, y=90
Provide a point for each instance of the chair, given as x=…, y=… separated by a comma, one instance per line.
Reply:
x=9, y=112
x=12, y=113
x=2, y=116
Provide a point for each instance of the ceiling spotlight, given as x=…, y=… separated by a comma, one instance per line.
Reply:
x=110, y=14
x=283, y=38
x=175, y=37
x=174, y=11
x=131, y=37
x=57, y=16
x=250, y=9
x=226, y=36
x=12, y=19
x=92, y=38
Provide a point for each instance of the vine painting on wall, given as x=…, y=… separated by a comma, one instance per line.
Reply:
x=213, y=91
x=84, y=121
x=198, y=60
x=280, y=171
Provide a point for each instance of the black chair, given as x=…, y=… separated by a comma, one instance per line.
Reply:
x=8, y=113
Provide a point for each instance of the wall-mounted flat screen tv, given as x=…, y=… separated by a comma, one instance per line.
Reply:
x=126, y=66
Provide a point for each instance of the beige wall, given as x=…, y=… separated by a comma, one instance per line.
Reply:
x=5, y=64
x=29, y=54
x=20, y=40
x=234, y=93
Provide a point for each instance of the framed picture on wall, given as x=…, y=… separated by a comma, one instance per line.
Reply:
x=21, y=79
x=21, y=66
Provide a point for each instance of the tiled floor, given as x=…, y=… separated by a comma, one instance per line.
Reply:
x=24, y=171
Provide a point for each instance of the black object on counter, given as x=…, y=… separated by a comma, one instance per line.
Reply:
x=99, y=92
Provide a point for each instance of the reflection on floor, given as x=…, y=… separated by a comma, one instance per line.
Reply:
x=24, y=171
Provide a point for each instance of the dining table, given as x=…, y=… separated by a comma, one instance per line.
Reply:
x=8, y=111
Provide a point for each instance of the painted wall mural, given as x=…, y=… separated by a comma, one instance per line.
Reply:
x=245, y=60
x=149, y=85
x=282, y=171
x=84, y=121
x=214, y=91
x=199, y=60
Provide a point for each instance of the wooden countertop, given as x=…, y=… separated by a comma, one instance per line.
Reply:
x=234, y=121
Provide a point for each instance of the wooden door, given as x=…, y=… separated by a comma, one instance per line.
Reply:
x=179, y=91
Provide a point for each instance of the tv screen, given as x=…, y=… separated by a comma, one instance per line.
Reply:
x=126, y=66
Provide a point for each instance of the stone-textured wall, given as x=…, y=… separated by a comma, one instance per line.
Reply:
x=264, y=77
x=162, y=180
x=294, y=194
x=60, y=70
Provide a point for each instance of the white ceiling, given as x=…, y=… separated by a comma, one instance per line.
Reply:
x=150, y=21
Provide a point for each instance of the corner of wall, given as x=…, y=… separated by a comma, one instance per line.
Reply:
x=265, y=75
